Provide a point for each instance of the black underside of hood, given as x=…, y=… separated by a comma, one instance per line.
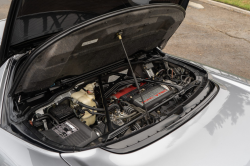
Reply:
x=93, y=44
x=30, y=23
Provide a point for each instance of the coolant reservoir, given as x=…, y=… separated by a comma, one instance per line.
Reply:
x=86, y=97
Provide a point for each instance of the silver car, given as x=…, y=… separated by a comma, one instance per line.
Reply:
x=86, y=83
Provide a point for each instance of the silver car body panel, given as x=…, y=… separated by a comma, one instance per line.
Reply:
x=2, y=25
x=218, y=135
x=13, y=150
x=16, y=152
x=3, y=77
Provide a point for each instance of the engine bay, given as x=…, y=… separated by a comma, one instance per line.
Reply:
x=113, y=108
x=96, y=85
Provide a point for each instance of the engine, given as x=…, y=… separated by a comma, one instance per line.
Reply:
x=79, y=117
x=152, y=95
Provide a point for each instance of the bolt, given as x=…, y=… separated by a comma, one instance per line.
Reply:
x=197, y=82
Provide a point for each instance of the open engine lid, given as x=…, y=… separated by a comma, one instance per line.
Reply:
x=93, y=44
x=31, y=22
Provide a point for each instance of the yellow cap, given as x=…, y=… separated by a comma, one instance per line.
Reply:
x=120, y=37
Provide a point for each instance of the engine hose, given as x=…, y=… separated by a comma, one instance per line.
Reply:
x=81, y=104
x=164, y=83
x=26, y=110
x=89, y=107
x=91, y=112
x=159, y=72
x=96, y=113
x=98, y=109
x=113, y=106
x=44, y=116
x=95, y=102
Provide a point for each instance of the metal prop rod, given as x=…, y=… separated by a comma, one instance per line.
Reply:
x=105, y=104
x=119, y=35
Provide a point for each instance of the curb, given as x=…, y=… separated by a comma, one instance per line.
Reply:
x=226, y=6
x=195, y=5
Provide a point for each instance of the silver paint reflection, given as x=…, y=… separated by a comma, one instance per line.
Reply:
x=16, y=152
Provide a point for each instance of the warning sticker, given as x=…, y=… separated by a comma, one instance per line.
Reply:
x=65, y=129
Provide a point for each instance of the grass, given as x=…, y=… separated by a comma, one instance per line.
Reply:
x=244, y=4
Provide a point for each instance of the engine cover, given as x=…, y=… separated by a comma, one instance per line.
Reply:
x=152, y=94
x=72, y=133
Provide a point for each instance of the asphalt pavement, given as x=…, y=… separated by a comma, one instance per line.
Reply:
x=213, y=36
x=4, y=8
x=216, y=37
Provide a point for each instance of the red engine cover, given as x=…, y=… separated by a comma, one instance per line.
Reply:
x=126, y=90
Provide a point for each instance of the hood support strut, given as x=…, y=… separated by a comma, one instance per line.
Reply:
x=105, y=104
x=119, y=35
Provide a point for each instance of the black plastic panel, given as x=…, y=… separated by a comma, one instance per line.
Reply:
x=72, y=132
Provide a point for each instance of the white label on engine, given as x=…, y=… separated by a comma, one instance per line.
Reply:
x=65, y=129
x=89, y=42
x=71, y=126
